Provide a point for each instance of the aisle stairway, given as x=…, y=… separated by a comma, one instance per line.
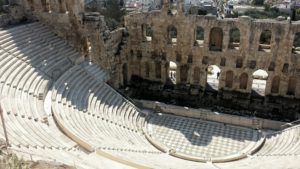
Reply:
x=90, y=125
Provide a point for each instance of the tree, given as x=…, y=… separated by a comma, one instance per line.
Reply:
x=258, y=2
x=113, y=13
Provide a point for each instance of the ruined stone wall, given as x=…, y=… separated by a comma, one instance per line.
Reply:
x=63, y=16
x=85, y=31
x=186, y=54
x=4, y=19
x=149, y=58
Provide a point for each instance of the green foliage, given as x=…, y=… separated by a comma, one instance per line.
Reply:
x=111, y=23
x=265, y=37
x=297, y=40
x=271, y=14
x=235, y=35
x=258, y=2
x=13, y=162
x=200, y=33
x=172, y=32
x=1, y=3
x=149, y=31
x=113, y=14
x=210, y=70
x=267, y=7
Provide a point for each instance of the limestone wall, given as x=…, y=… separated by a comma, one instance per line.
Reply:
x=211, y=116
x=4, y=19
x=85, y=31
x=278, y=62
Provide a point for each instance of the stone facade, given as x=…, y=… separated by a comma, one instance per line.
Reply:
x=149, y=41
x=4, y=19
x=84, y=30
x=149, y=59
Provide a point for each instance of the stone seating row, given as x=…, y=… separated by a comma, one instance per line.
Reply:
x=75, y=157
x=281, y=143
x=25, y=82
x=21, y=87
x=41, y=48
x=70, y=99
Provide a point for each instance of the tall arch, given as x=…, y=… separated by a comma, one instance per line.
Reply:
x=196, y=75
x=125, y=73
x=296, y=44
x=31, y=5
x=216, y=39
x=184, y=73
x=62, y=6
x=259, y=82
x=243, y=81
x=275, y=84
x=265, y=41
x=234, y=38
x=292, y=86
x=158, y=70
x=199, y=36
x=45, y=5
x=229, y=79
x=212, y=78
x=147, y=32
x=172, y=34
x=172, y=72
x=147, y=69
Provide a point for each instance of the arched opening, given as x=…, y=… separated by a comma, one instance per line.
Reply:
x=172, y=34
x=45, y=5
x=173, y=7
x=275, y=84
x=292, y=86
x=243, y=81
x=212, y=80
x=62, y=6
x=199, y=34
x=259, y=82
x=31, y=4
x=125, y=73
x=172, y=72
x=184, y=69
x=296, y=44
x=285, y=68
x=216, y=39
x=234, y=40
x=147, y=69
x=265, y=41
x=196, y=75
x=229, y=79
x=158, y=70
x=147, y=32
x=68, y=6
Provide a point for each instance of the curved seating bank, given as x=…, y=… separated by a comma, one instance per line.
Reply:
x=93, y=126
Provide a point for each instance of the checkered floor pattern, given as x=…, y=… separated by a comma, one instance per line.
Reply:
x=199, y=138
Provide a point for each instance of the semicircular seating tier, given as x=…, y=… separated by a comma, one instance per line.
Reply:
x=282, y=143
x=42, y=87
x=31, y=58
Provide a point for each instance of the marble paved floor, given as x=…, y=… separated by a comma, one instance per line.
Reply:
x=199, y=138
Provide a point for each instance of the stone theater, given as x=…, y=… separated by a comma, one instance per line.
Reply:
x=167, y=89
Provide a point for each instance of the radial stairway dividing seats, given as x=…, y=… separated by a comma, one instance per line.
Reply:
x=35, y=63
x=98, y=118
x=29, y=62
x=282, y=143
